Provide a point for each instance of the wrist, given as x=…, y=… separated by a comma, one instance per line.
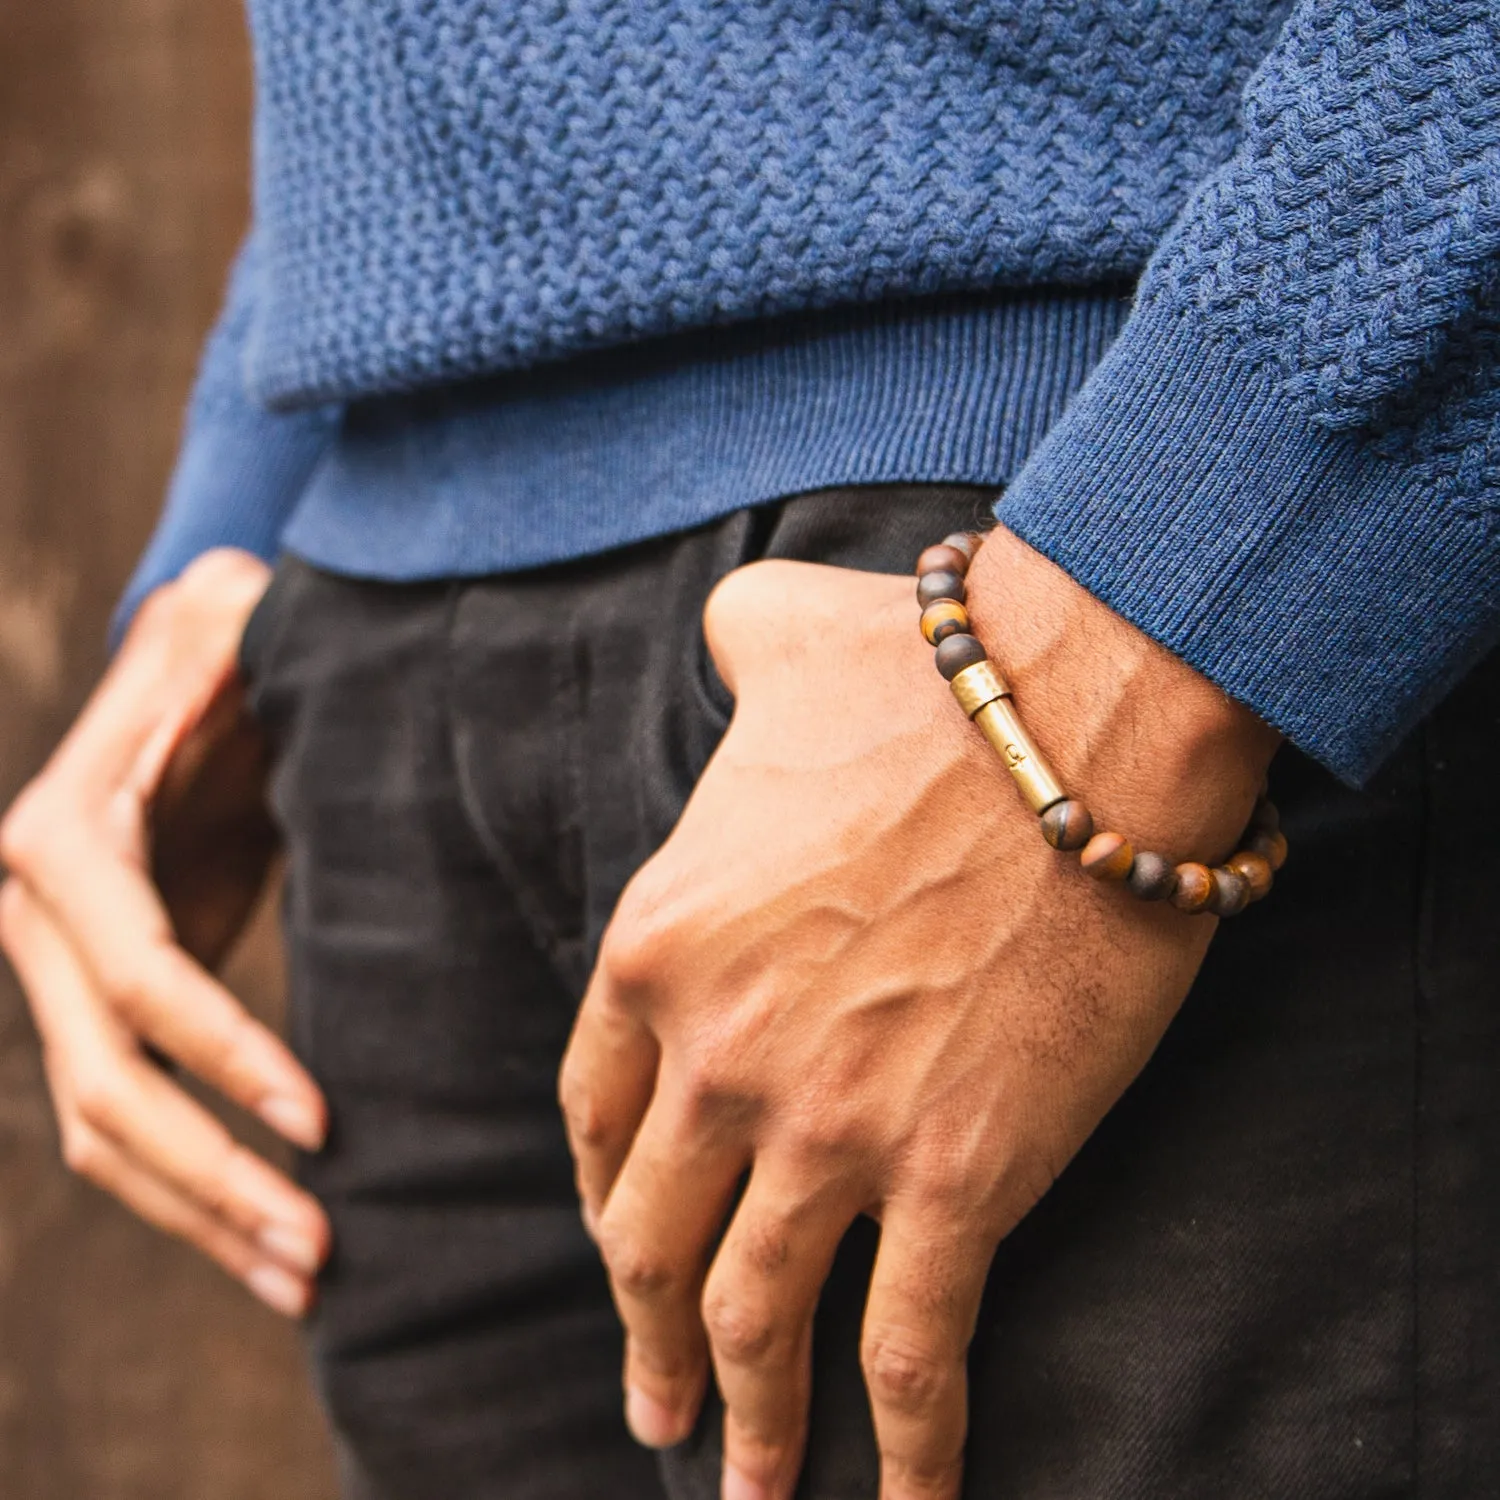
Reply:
x=1154, y=747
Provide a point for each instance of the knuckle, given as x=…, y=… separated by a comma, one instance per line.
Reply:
x=212, y=1185
x=637, y=1268
x=952, y=1175
x=747, y=607
x=631, y=954
x=672, y=1367
x=706, y=1085
x=82, y=1152
x=928, y=1478
x=127, y=992
x=587, y=1120
x=831, y=1134
x=23, y=829
x=741, y=1332
x=11, y=901
x=951, y=1193
x=639, y=939
x=725, y=600
x=738, y=593
x=97, y=1099
x=901, y=1372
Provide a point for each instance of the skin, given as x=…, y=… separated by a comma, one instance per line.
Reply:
x=135, y=857
x=856, y=973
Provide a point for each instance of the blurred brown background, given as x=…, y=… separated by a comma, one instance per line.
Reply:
x=128, y=1369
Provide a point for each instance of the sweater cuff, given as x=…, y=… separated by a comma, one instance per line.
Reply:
x=238, y=478
x=1315, y=579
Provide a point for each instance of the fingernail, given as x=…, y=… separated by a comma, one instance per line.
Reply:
x=290, y=1117
x=740, y=1486
x=278, y=1290
x=298, y=1250
x=651, y=1423
x=590, y=1223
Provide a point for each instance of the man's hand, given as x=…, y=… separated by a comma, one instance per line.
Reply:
x=856, y=972
x=135, y=857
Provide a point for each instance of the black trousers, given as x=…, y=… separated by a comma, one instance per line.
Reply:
x=1271, y=1273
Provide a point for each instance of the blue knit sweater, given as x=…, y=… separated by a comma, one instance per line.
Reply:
x=535, y=278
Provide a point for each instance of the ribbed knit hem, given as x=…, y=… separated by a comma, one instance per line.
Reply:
x=568, y=461
x=1307, y=575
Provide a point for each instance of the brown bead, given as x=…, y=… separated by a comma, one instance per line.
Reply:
x=1067, y=824
x=1107, y=856
x=943, y=559
x=957, y=652
x=946, y=617
x=941, y=584
x=967, y=542
x=1254, y=870
x=1152, y=878
x=1265, y=818
x=1231, y=893
x=1195, y=886
x=1271, y=845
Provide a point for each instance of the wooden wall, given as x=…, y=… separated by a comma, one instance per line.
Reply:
x=128, y=1369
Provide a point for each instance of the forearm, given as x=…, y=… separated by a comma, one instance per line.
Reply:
x=1155, y=748
x=241, y=468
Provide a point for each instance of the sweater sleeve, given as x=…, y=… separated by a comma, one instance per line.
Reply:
x=1287, y=468
x=240, y=469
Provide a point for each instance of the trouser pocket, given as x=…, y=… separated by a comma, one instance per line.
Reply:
x=257, y=635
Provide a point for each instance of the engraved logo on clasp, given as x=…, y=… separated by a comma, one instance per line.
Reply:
x=1014, y=756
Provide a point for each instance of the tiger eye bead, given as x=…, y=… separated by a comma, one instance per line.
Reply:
x=1272, y=846
x=957, y=652
x=1067, y=825
x=967, y=542
x=942, y=584
x=1265, y=818
x=1254, y=870
x=1195, y=886
x=1107, y=856
x=943, y=559
x=946, y=617
x=1231, y=892
x=1152, y=878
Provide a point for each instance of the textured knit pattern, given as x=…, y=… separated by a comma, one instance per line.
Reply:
x=1286, y=467
x=1354, y=242
x=456, y=186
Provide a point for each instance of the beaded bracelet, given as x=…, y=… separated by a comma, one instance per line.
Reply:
x=1223, y=890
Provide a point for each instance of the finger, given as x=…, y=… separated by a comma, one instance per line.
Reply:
x=115, y=923
x=110, y=1168
x=180, y=1142
x=924, y=1297
x=180, y=650
x=605, y=1086
x=656, y=1233
x=758, y=1305
x=100, y=1076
